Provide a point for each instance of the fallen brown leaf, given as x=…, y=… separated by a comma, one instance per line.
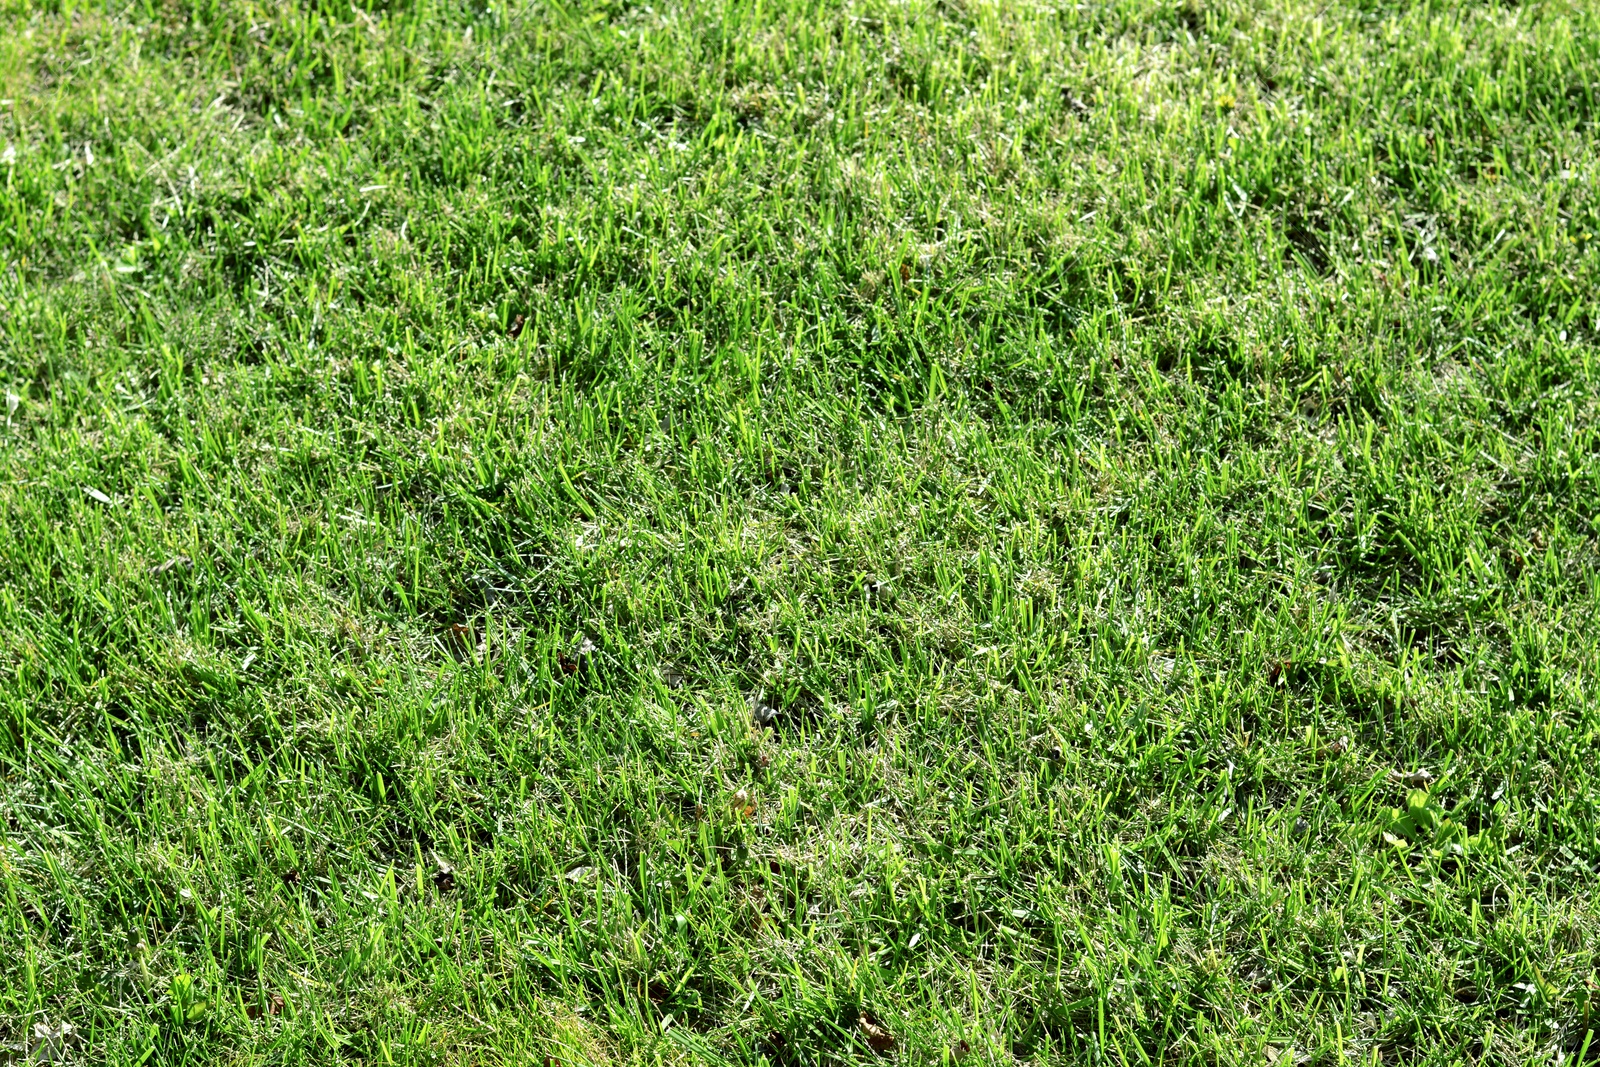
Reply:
x=274, y=1007
x=458, y=639
x=742, y=803
x=1420, y=778
x=879, y=1039
x=444, y=875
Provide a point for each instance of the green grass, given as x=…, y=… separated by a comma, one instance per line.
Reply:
x=834, y=532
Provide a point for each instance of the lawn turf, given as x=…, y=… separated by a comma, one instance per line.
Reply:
x=861, y=532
